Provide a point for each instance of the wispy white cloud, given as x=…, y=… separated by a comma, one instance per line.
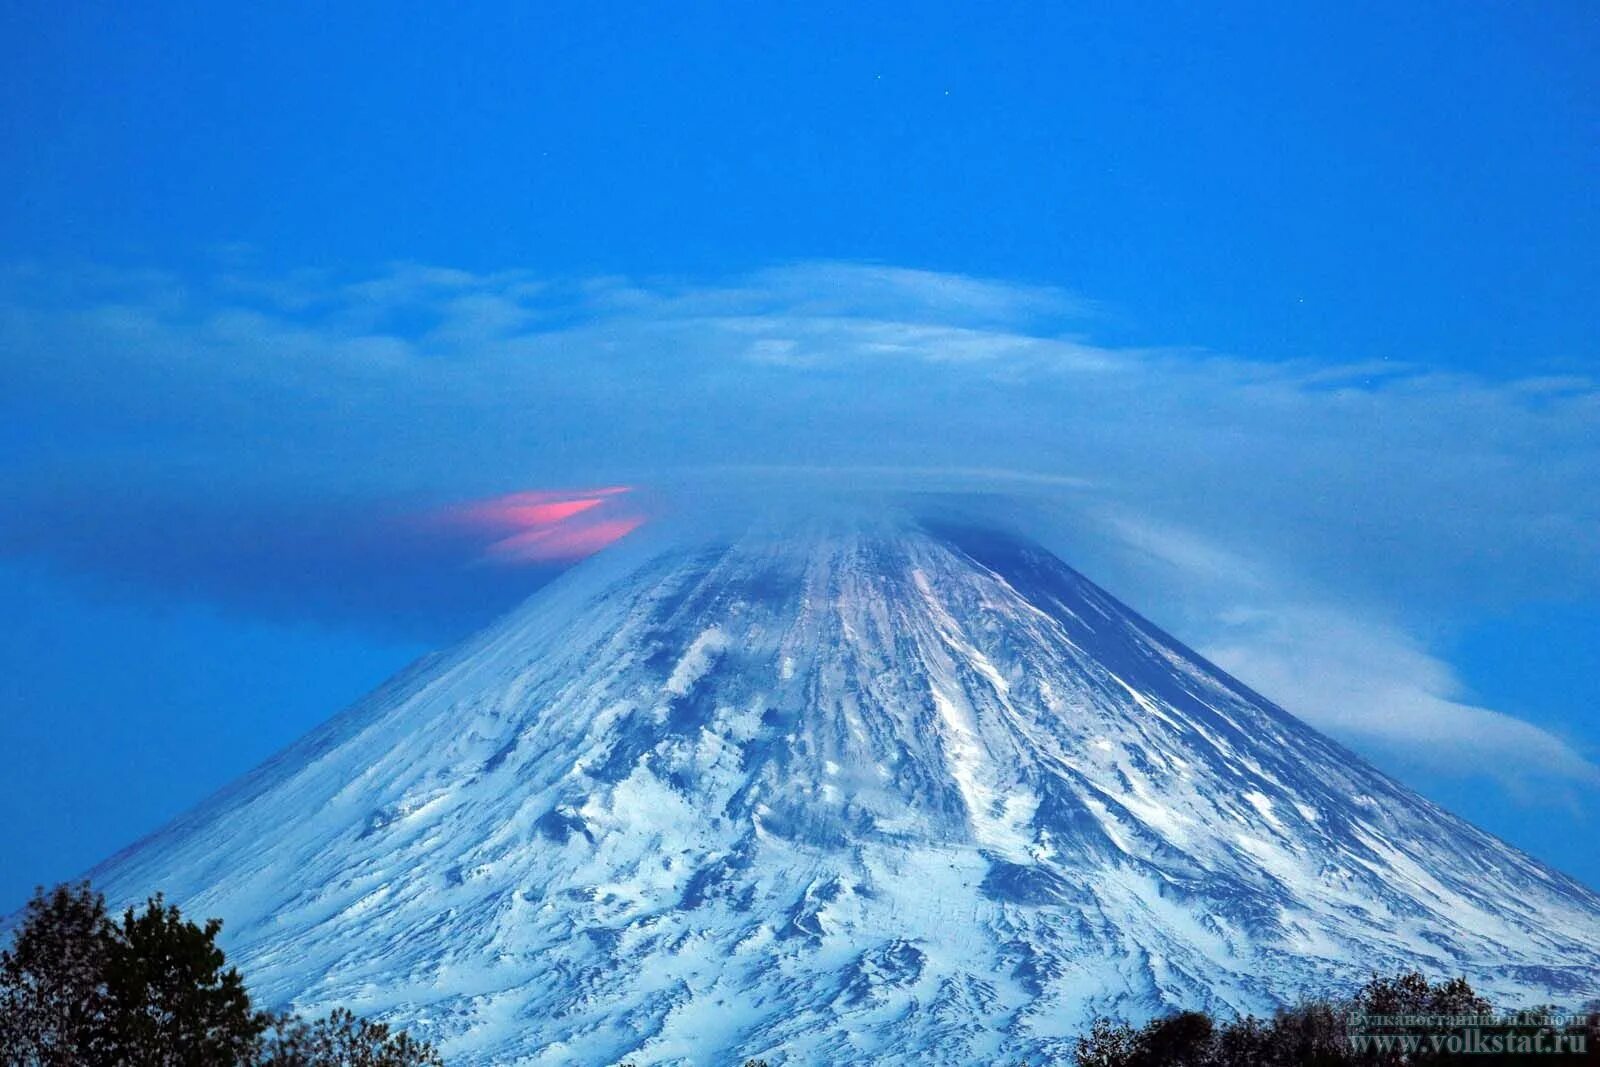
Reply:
x=1344, y=665
x=1372, y=684
x=1301, y=514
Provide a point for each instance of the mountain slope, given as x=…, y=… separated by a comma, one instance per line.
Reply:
x=866, y=789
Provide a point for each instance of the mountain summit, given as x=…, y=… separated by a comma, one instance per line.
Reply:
x=895, y=792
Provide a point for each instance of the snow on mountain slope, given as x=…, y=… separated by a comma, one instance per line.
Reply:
x=886, y=790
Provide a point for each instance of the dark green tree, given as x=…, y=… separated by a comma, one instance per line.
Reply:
x=53, y=999
x=1404, y=1020
x=1410, y=993
x=1311, y=1034
x=154, y=990
x=172, y=999
x=1107, y=1044
x=342, y=1040
x=1181, y=1040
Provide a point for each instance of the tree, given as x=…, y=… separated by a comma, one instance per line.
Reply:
x=171, y=1000
x=1311, y=1034
x=1107, y=1044
x=79, y=990
x=342, y=1040
x=1181, y=1040
x=1410, y=993
x=53, y=999
x=76, y=988
x=1400, y=1020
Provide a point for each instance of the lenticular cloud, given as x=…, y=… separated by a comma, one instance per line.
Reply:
x=549, y=526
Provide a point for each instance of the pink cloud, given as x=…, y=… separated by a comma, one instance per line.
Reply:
x=548, y=525
x=568, y=541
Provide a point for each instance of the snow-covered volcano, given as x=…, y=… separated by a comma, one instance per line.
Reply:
x=893, y=792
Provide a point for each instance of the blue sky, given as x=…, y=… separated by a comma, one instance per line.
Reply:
x=1286, y=317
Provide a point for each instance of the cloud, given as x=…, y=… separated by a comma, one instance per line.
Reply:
x=1371, y=684
x=548, y=526
x=1299, y=519
x=1347, y=666
x=374, y=565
